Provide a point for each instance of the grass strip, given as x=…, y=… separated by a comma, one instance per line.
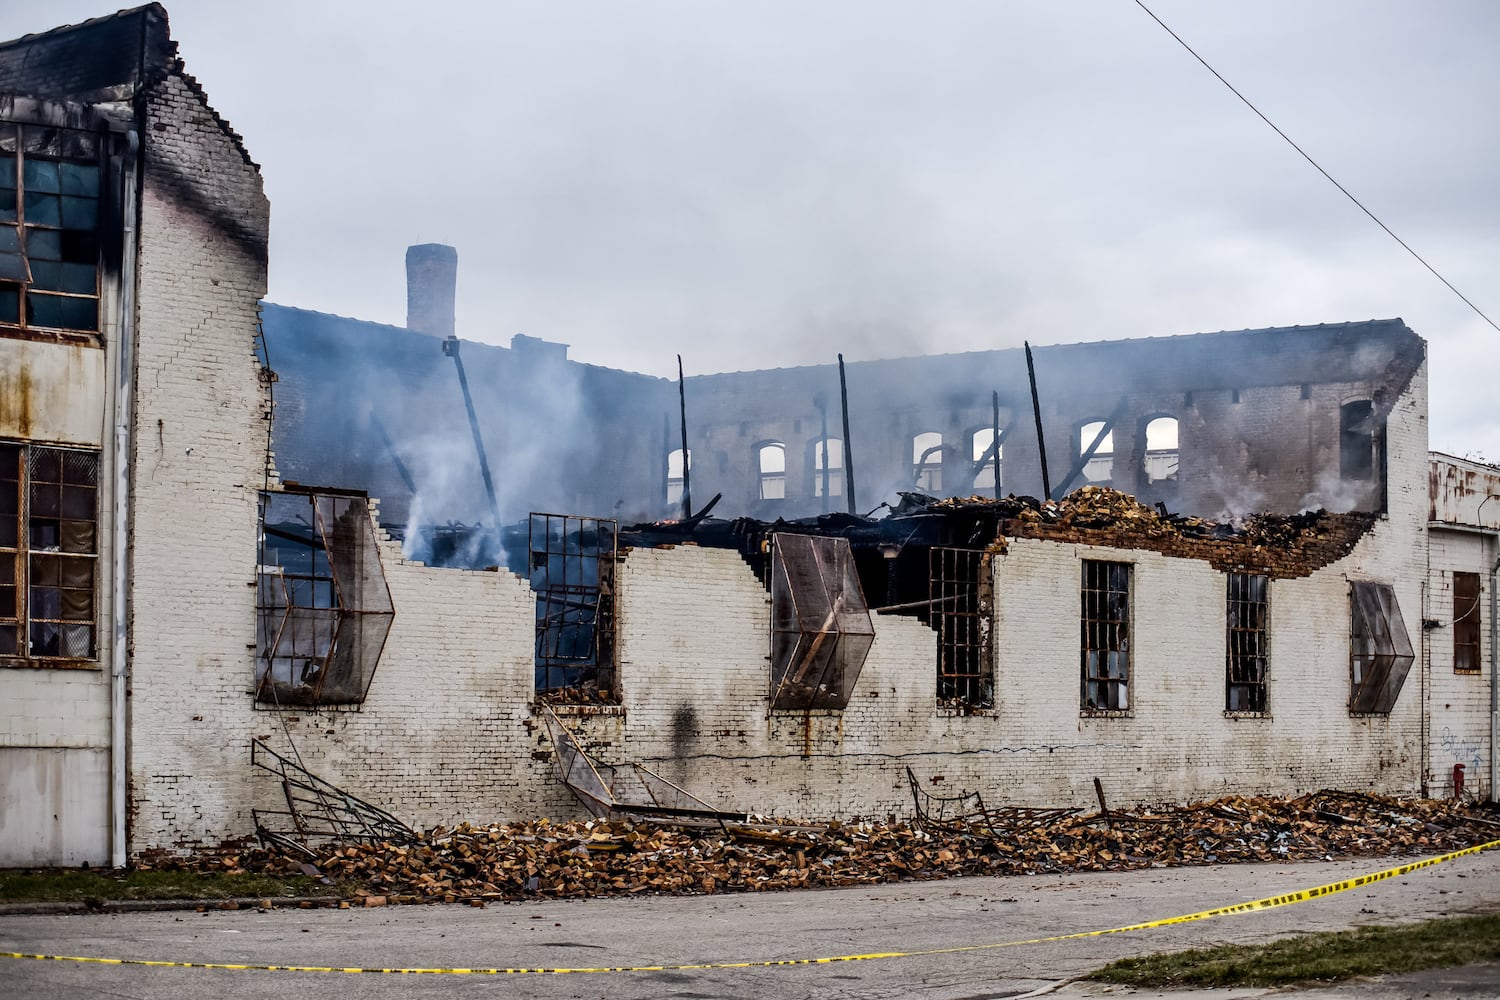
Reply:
x=83, y=886
x=1320, y=957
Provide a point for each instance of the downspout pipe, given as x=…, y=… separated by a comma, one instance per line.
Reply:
x=119, y=666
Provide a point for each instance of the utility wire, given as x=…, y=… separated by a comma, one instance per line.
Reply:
x=1404, y=245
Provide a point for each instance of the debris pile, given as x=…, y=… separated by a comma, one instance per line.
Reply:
x=610, y=857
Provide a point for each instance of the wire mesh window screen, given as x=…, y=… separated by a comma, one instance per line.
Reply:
x=1380, y=650
x=821, y=629
x=323, y=609
x=571, y=563
x=960, y=591
x=1246, y=643
x=1106, y=636
x=49, y=501
x=1466, y=623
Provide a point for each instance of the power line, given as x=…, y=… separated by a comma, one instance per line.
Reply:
x=1389, y=232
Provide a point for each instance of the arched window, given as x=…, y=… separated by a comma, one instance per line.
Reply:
x=1357, y=439
x=1101, y=466
x=835, y=467
x=989, y=473
x=771, y=460
x=927, y=461
x=1160, y=462
x=675, y=474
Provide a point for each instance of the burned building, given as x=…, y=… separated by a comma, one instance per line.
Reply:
x=1180, y=566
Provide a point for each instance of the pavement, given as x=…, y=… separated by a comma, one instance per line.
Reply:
x=959, y=939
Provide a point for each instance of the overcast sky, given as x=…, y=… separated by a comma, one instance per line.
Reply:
x=765, y=184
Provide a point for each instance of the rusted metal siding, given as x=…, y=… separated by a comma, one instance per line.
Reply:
x=51, y=392
x=1457, y=487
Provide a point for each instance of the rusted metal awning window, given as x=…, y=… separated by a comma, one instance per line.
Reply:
x=821, y=630
x=1380, y=651
x=962, y=596
x=571, y=561
x=324, y=610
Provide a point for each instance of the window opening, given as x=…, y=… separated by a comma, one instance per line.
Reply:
x=49, y=223
x=1101, y=465
x=927, y=461
x=1106, y=636
x=676, y=474
x=49, y=553
x=1380, y=651
x=1246, y=645
x=821, y=630
x=834, y=466
x=1466, y=623
x=989, y=472
x=571, y=565
x=323, y=609
x=962, y=603
x=772, y=462
x=1162, y=452
x=1357, y=439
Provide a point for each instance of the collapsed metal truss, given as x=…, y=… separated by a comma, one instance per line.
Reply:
x=967, y=813
x=318, y=810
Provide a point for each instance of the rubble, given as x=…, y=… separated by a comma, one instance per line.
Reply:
x=617, y=857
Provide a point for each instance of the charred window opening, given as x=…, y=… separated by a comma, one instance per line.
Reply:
x=771, y=461
x=1357, y=439
x=989, y=473
x=1106, y=636
x=323, y=610
x=962, y=602
x=49, y=554
x=571, y=561
x=1466, y=623
x=821, y=630
x=677, y=473
x=1100, y=467
x=1161, y=459
x=828, y=468
x=1247, y=647
x=49, y=229
x=927, y=461
x=1380, y=651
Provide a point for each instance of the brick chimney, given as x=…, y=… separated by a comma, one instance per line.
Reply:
x=431, y=284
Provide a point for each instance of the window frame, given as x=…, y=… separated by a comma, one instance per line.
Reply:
x=1117, y=630
x=764, y=476
x=1247, y=642
x=25, y=554
x=1467, y=622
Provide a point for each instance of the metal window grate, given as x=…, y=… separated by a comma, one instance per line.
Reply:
x=1380, y=651
x=1246, y=645
x=960, y=592
x=1466, y=623
x=1106, y=636
x=571, y=562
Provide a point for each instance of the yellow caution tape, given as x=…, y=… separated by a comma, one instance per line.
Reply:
x=1268, y=903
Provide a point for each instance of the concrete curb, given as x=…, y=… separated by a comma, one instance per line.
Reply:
x=158, y=905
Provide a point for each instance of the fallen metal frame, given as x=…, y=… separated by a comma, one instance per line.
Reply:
x=318, y=810
x=967, y=813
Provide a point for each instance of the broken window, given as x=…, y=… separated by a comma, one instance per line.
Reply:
x=962, y=603
x=323, y=610
x=1380, y=651
x=1160, y=462
x=677, y=473
x=1357, y=439
x=1101, y=464
x=49, y=553
x=1246, y=645
x=49, y=222
x=828, y=476
x=1466, y=623
x=1106, y=636
x=821, y=630
x=572, y=564
x=927, y=461
x=771, y=460
x=989, y=472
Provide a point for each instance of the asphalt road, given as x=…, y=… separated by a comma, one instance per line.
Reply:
x=910, y=917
